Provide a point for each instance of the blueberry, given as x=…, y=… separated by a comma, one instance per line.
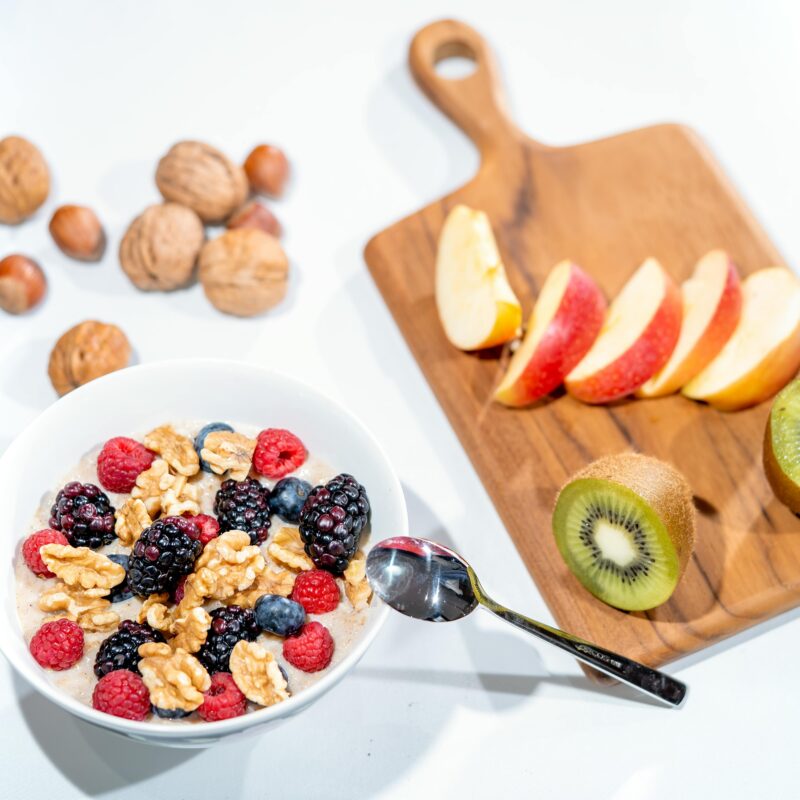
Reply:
x=285, y=677
x=170, y=713
x=288, y=497
x=279, y=615
x=200, y=439
x=121, y=591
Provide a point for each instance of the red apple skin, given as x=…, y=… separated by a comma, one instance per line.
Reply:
x=566, y=340
x=641, y=360
x=719, y=330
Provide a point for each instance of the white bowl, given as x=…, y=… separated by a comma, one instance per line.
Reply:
x=145, y=396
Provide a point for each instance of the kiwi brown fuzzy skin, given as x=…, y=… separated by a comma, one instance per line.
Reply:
x=785, y=489
x=664, y=489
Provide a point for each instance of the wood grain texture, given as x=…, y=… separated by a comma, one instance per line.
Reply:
x=607, y=205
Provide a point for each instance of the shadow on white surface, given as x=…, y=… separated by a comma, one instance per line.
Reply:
x=92, y=759
x=25, y=378
x=397, y=103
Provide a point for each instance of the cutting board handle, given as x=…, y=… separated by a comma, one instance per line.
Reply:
x=475, y=102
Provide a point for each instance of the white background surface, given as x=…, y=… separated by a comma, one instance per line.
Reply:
x=469, y=709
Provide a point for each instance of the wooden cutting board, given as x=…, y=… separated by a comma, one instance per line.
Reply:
x=607, y=205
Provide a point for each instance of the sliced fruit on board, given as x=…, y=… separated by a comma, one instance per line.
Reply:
x=565, y=321
x=625, y=526
x=476, y=304
x=712, y=304
x=782, y=447
x=763, y=354
x=637, y=338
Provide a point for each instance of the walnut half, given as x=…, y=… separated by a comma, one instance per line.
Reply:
x=175, y=679
x=257, y=674
x=82, y=567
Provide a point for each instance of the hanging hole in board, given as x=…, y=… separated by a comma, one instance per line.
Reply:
x=455, y=61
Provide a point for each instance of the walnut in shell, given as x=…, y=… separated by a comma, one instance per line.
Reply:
x=244, y=271
x=86, y=352
x=24, y=179
x=202, y=178
x=159, y=249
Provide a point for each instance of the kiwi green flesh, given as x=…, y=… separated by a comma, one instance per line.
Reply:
x=615, y=544
x=785, y=431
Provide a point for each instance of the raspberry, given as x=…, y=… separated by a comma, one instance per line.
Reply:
x=84, y=514
x=223, y=699
x=30, y=550
x=209, y=527
x=311, y=649
x=278, y=452
x=122, y=693
x=316, y=591
x=162, y=555
x=120, y=462
x=57, y=645
x=331, y=522
x=244, y=506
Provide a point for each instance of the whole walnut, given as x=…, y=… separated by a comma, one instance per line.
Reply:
x=86, y=352
x=201, y=177
x=244, y=271
x=24, y=179
x=160, y=248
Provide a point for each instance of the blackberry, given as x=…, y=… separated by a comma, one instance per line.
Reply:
x=332, y=520
x=162, y=555
x=243, y=506
x=229, y=625
x=83, y=512
x=121, y=591
x=121, y=649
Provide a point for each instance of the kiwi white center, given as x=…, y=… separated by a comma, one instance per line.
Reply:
x=615, y=543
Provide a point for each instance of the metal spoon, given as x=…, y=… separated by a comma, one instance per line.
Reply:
x=428, y=581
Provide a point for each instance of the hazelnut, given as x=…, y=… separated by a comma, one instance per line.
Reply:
x=86, y=352
x=160, y=248
x=24, y=179
x=22, y=284
x=244, y=271
x=267, y=169
x=255, y=215
x=78, y=232
x=200, y=177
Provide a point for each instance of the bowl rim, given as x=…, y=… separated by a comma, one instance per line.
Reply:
x=211, y=730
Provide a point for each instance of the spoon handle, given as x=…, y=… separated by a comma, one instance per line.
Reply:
x=650, y=681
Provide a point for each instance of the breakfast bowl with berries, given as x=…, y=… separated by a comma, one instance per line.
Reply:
x=185, y=549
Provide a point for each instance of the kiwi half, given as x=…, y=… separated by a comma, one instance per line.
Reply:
x=782, y=446
x=625, y=527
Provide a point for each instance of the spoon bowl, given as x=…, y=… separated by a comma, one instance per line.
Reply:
x=421, y=579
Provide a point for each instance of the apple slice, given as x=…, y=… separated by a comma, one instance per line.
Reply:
x=763, y=354
x=712, y=304
x=477, y=307
x=637, y=338
x=565, y=321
